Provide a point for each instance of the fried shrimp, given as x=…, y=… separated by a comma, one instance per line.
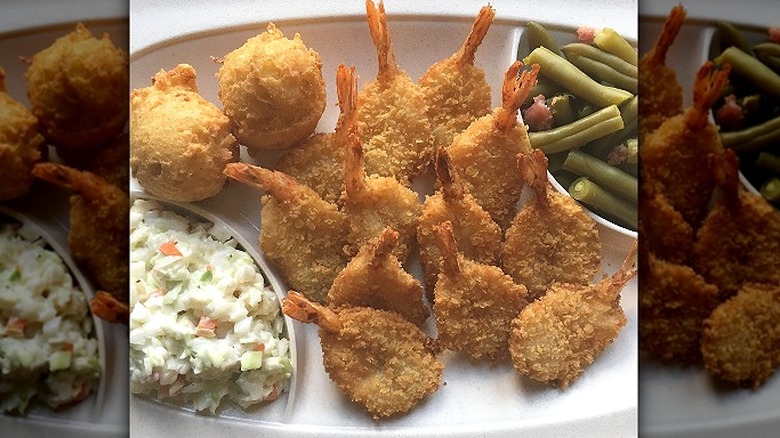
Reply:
x=671, y=156
x=377, y=358
x=99, y=226
x=740, y=339
x=302, y=235
x=375, y=202
x=484, y=154
x=272, y=90
x=78, y=89
x=455, y=89
x=392, y=119
x=555, y=338
x=739, y=240
x=21, y=145
x=661, y=93
x=179, y=141
x=552, y=239
x=108, y=162
x=478, y=237
x=668, y=235
x=475, y=303
x=375, y=278
x=673, y=302
x=319, y=161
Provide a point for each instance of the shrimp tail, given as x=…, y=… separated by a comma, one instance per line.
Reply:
x=377, y=25
x=451, y=186
x=86, y=184
x=627, y=271
x=107, y=307
x=445, y=240
x=513, y=92
x=384, y=244
x=346, y=89
x=279, y=185
x=707, y=89
x=533, y=170
x=297, y=307
x=671, y=28
x=477, y=34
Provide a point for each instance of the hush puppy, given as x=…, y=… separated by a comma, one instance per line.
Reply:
x=77, y=88
x=20, y=145
x=272, y=90
x=179, y=142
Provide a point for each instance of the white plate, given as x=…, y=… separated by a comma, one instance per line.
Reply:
x=679, y=401
x=25, y=30
x=475, y=398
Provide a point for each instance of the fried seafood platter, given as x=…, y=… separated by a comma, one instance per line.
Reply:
x=368, y=333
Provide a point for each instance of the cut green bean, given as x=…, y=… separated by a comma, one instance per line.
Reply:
x=565, y=178
x=589, y=193
x=544, y=86
x=629, y=111
x=604, y=73
x=560, y=107
x=752, y=69
x=609, y=177
x=579, y=132
x=609, y=40
x=575, y=80
x=754, y=138
x=770, y=162
x=769, y=54
x=538, y=36
x=729, y=35
x=631, y=169
x=770, y=190
x=555, y=161
x=617, y=63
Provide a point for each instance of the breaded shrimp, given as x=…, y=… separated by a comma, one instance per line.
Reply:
x=392, y=119
x=21, y=145
x=108, y=307
x=552, y=239
x=109, y=162
x=478, y=237
x=555, y=338
x=484, y=154
x=740, y=339
x=455, y=89
x=739, y=241
x=376, y=279
x=661, y=93
x=673, y=302
x=319, y=161
x=99, y=226
x=377, y=358
x=673, y=154
x=302, y=235
x=475, y=303
x=667, y=234
x=375, y=202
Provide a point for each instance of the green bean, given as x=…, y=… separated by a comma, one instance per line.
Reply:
x=631, y=169
x=629, y=110
x=603, y=72
x=770, y=190
x=585, y=111
x=565, y=178
x=588, y=192
x=609, y=177
x=596, y=54
x=545, y=87
x=729, y=35
x=539, y=37
x=632, y=144
x=769, y=54
x=753, y=138
x=560, y=107
x=752, y=69
x=575, y=80
x=555, y=161
x=575, y=134
x=770, y=162
x=609, y=40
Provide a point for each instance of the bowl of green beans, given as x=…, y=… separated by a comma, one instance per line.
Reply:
x=583, y=115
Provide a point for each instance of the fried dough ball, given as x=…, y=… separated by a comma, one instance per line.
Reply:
x=375, y=202
x=475, y=303
x=478, y=237
x=98, y=226
x=555, y=338
x=484, y=154
x=673, y=302
x=377, y=358
x=375, y=278
x=552, y=239
x=740, y=339
x=78, y=89
x=455, y=89
x=272, y=90
x=21, y=145
x=303, y=236
x=392, y=118
x=179, y=141
x=319, y=161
